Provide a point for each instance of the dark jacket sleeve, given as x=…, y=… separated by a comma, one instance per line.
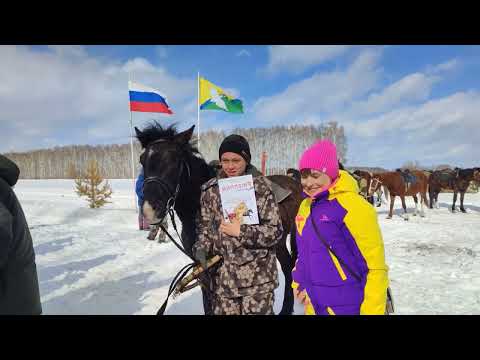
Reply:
x=6, y=234
x=9, y=171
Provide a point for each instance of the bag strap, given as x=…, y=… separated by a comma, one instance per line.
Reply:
x=355, y=275
x=390, y=305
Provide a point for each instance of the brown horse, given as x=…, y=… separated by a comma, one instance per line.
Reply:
x=457, y=180
x=393, y=181
x=365, y=183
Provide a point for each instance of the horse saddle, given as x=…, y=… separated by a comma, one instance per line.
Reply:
x=446, y=176
x=408, y=177
x=279, y=192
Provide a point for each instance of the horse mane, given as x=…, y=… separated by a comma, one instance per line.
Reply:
x=155, y=131
x=363, y=174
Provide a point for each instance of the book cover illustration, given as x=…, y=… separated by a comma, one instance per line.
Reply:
x=237, y=195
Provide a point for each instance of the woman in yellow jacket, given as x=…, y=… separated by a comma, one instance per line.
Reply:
x=341, y=266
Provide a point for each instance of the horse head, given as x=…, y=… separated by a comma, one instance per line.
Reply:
x=476, y=174
x=357, y=173
x=165, y=167
x=375, y=184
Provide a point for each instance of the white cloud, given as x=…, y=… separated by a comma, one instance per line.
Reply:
x=297, y=58
x=444, y=67
x=460, y=108
x=69, y=50
x=244, y=52
x=46, y=94
x=439, y=130
x=234, y=92
x=458, y=149
x=322, y=92
x=411, y=88
x=387, y=125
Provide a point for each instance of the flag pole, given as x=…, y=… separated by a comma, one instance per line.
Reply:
x=133, y=165
x=198, y=111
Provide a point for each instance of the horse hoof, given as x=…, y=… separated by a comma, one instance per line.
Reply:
x=388, y=217
x=414, y=214
x=463, y=210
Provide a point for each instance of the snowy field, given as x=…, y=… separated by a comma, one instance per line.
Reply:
x=95, y=261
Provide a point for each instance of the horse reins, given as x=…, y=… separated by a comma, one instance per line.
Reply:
x=169, y=208
x=373, y=181
x=171, y=200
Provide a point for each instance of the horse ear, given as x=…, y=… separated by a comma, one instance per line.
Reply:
x=138, y=132
x=184, y=137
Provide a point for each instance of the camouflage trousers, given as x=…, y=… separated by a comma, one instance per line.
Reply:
x=257, y=304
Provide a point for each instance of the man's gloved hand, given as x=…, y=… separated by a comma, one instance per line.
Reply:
x=201, y=256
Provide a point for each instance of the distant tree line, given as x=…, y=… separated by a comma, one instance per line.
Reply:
x=114, y=161
x=283, y=145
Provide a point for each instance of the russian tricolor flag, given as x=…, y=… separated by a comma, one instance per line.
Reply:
x=147, y=99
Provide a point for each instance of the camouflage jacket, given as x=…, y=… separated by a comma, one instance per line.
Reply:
x=249, y=261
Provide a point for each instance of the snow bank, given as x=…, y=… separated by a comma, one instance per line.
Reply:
x=95, y=261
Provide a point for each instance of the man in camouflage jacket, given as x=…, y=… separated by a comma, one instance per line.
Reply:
x=248, y=275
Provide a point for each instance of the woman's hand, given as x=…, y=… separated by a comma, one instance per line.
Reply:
x=301, y=297
x=232, y=228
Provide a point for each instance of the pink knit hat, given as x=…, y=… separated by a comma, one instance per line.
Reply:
x=321, y=156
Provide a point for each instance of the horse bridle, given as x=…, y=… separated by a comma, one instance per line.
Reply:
x=169, y=211
x=163, y=184
x=372, y=181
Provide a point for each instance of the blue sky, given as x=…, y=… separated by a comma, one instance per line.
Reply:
x=397, y=103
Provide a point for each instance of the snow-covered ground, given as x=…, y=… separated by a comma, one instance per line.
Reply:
x=95, y=261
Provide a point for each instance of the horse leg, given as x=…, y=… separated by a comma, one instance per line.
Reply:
x=423, y=202
x=415, y=199
x=392, y=201
x=379, y=197
x=287, y=264
x=462, y=195
x=454, y=200
x=405, y=216
x=431, y=195
x=436, y=200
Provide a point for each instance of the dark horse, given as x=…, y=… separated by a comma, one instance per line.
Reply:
x=177, y=171
x=393, y=181
x=457, y=180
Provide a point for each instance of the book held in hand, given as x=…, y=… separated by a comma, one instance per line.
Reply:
x=238, y=199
